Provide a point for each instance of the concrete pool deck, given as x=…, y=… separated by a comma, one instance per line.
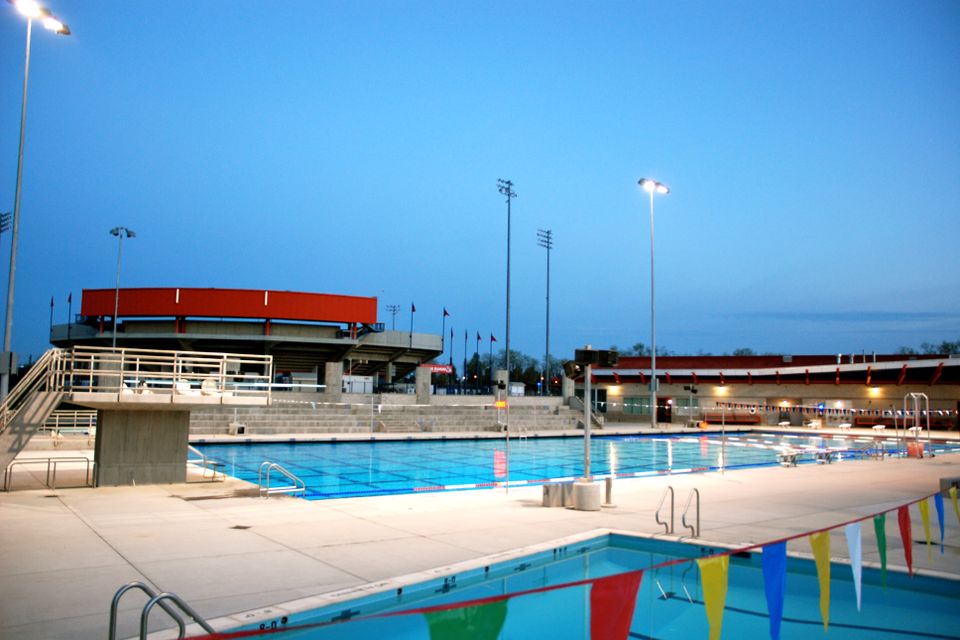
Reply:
x=64, y=553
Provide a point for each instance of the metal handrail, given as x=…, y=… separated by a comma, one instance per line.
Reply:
x=297, y=486
x=656, y=516
x=115, y=605
x=42, y=374
x=51, y=480
x=187, y=609
x=683, y=517
x=70, y=419
x=203, y=461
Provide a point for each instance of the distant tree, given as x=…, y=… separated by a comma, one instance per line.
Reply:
x=906, y=351
x=744, y=351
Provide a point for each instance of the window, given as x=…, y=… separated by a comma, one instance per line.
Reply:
x=636, y=406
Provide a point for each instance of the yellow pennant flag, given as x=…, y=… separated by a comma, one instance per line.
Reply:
x=924, y=506
x=953, y=497
x=820, y=543
x=713, y=574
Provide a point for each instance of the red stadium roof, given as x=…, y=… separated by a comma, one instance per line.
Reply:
x=230, y=303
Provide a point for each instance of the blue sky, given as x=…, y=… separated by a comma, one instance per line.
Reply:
x=812, y=149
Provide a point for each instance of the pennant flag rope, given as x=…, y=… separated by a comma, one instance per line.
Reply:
x=880, y=528
x=938, y=501
x=775, y=583
x=903, y=519
x=820, y=543
x=924, y=507
x=855, y=550
x=714, y=572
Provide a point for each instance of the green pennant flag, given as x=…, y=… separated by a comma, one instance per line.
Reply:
x=482, y=622
x=880, y=528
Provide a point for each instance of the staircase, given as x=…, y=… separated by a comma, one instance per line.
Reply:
x=28, y=405
x=320, y=419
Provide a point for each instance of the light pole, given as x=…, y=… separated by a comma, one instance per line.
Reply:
x=32, y=11
x=120, y=232
x=545, y=240
x=651, y=187
x=506, y=188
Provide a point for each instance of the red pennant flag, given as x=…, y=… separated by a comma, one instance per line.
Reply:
x=492, y=339
x=903, y=519
x=445, y=314
x=612, y=600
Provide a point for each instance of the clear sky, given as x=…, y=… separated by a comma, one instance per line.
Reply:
x=812, y=149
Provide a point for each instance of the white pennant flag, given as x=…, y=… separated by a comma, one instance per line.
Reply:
x=852, y=532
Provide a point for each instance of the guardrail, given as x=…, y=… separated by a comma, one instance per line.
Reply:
x=51, y=478
x=130, y=372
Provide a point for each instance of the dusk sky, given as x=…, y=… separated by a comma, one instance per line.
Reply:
x=812, y=150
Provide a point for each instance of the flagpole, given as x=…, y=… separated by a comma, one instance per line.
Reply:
x=491, y=358
x=463, y=386
x=51, y=316
x=477, y=352
x=69, y=314
x=413, y=308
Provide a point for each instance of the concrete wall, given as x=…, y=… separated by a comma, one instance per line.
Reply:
x=141, y=447
x=423, y=385
x=333, y=381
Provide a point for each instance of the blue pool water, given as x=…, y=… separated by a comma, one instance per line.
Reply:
x=346, y=469
x=669, y=603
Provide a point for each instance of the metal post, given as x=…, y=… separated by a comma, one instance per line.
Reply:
x=545, y=240
x=15, y=229
x=116, y=294
x=653, y=329
x=506, y=188
x=586, y=421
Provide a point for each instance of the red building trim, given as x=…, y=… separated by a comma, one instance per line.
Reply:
x=230, y=303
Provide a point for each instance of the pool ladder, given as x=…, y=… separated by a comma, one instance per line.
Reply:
x=155, y=599
x=263, y=480
x=669, y=525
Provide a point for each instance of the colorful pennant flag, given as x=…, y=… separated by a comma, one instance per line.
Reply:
x=879, y=527
x=903, y=519
x=775, y=583
x=820, y=543
x=482, y=622
x=953, y=498
x=924, y=507
x=612, y=600
x=855, y=550
x=938, y=502
x=713, y=574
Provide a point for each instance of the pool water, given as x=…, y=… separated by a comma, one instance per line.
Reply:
x=669, y=603
x=348, y=469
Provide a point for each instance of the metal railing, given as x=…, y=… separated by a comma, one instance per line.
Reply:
x=204, y=462
x=667, y=526
x=694, y=530
x=51, y=478
x=155, y=599
x=71, y=421
x=42, y=376
x=130, y=372
x=263, y=480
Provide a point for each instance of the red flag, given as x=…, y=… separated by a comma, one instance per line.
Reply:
x=612, y=600
x=903, y=519
x=492, y=339
x=445, y=314
x=413, y=308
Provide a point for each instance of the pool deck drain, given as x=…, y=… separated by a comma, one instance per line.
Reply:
x=62, y=559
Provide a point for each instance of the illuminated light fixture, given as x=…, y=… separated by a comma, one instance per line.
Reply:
x=614, y=390
x=721, y=390
x=654, y=186
x=29, y=8
x=874, y=391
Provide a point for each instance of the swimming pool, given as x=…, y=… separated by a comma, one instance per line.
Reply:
x=348, y=469
x=669, y=602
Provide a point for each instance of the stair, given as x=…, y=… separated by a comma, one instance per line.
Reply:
x=28, y=420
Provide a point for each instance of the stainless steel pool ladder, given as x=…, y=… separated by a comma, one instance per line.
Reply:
x=155, y=599
x=694, y=531
x=669, y=526
x=206, y=464
x=263, y=480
